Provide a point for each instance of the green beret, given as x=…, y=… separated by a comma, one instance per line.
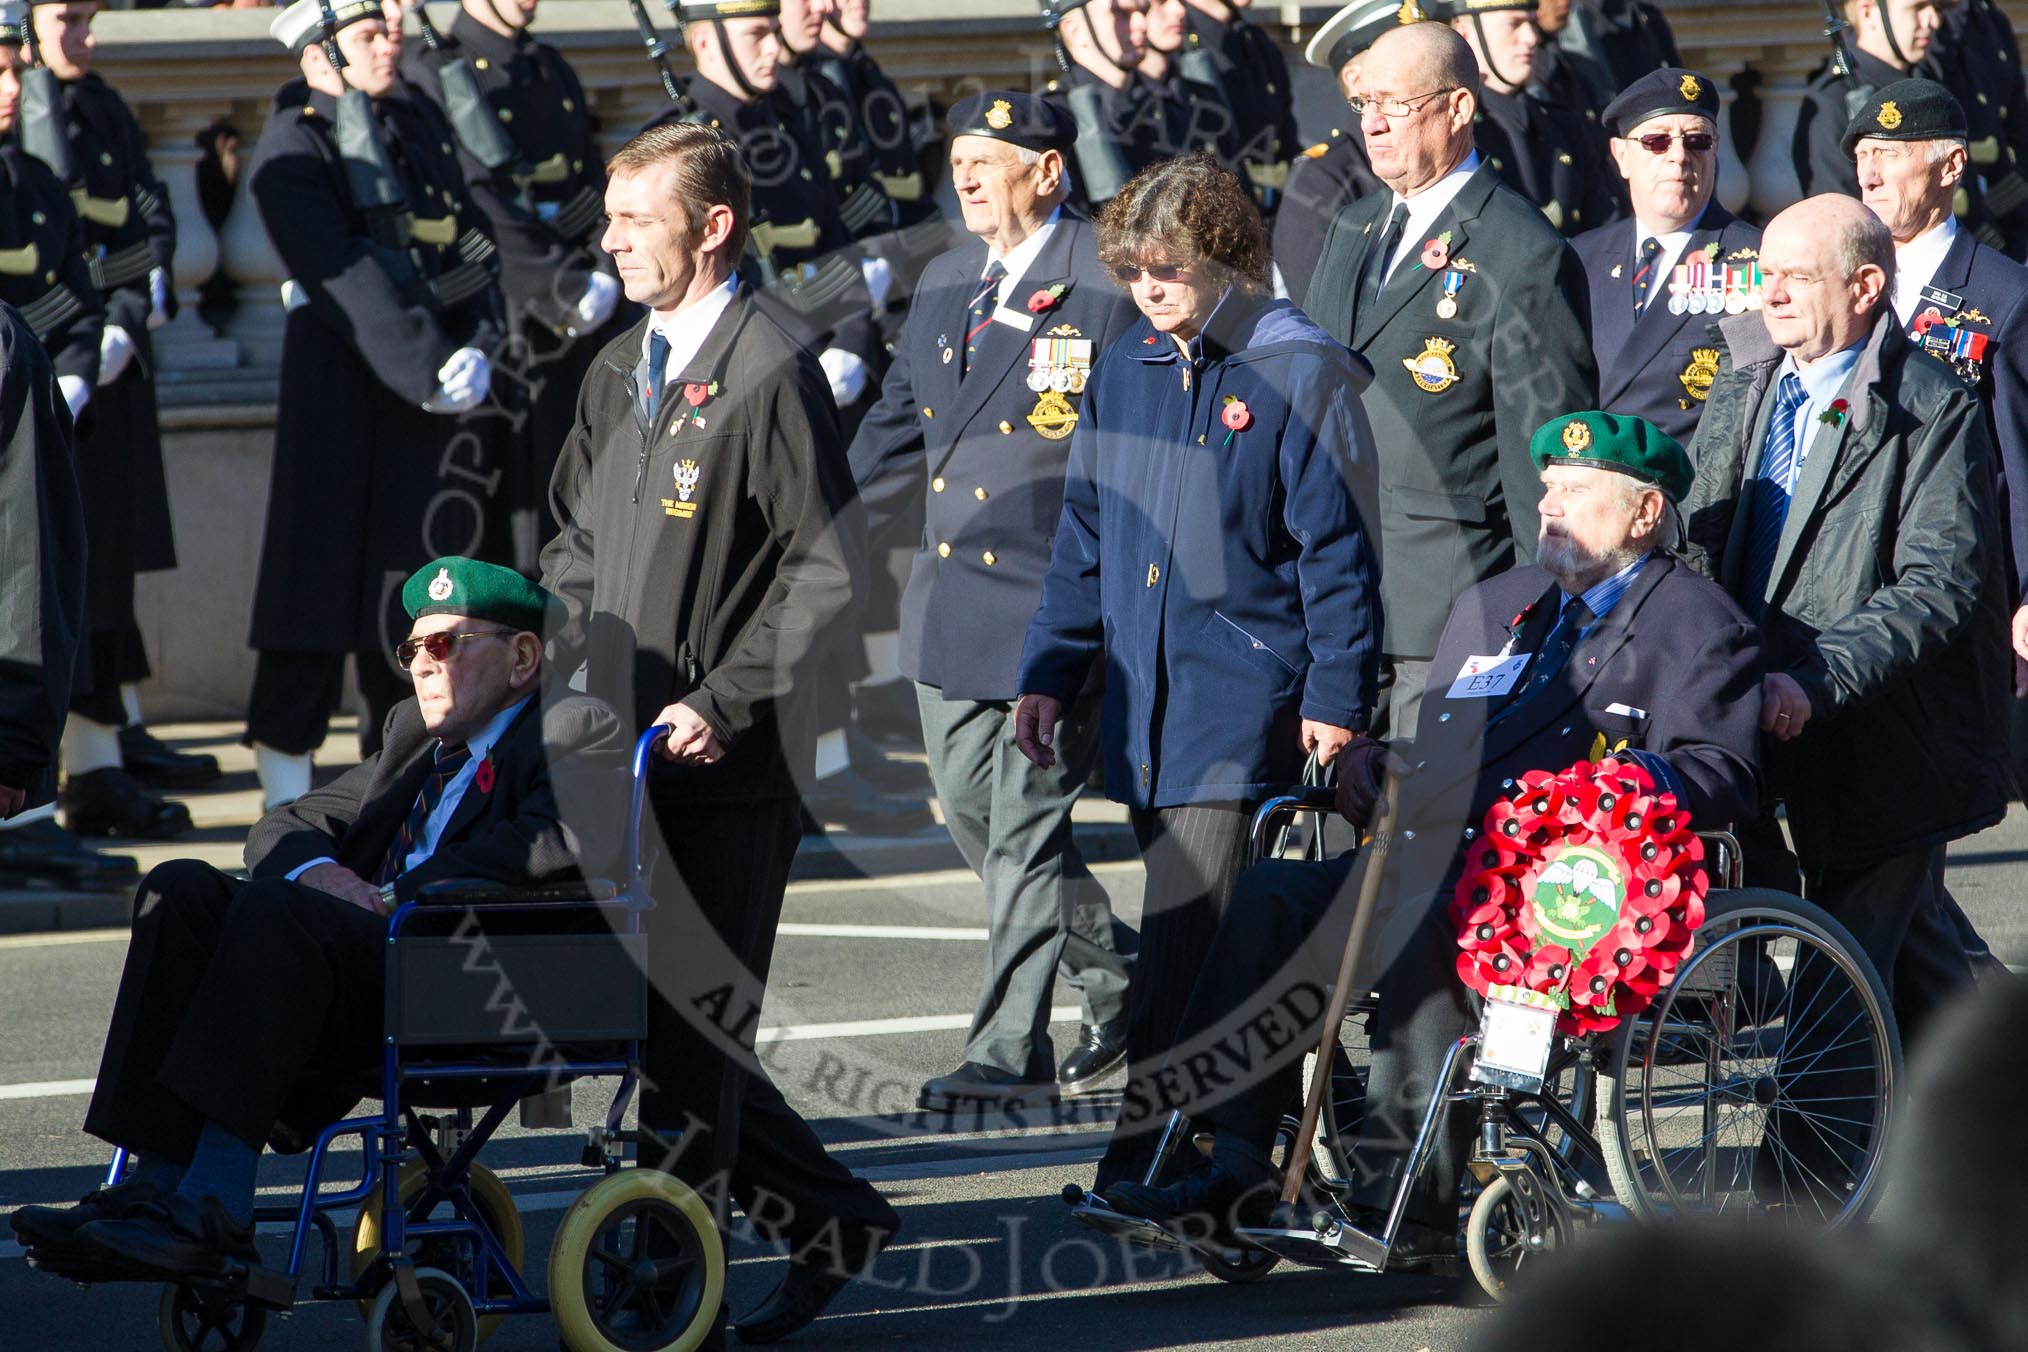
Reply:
x=1614, y=441
x=455, y=585
x=1907, y=110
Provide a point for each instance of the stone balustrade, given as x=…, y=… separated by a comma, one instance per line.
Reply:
x=183, y=69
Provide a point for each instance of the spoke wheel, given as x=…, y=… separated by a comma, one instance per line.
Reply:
x=1763, y=1081
x=453, y=1327
x=1508, y=1230
x=494, y=1207
x=636, y=1266
x=194, y=1320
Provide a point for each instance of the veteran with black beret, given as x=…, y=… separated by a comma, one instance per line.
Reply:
x=1659, y=281
x=973, y=427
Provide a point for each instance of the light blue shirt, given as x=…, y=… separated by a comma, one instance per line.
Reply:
x=479, y=744
x=1822, y=380
x=1603, y=596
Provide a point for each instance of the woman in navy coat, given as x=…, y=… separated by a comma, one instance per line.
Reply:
x=1218, y=550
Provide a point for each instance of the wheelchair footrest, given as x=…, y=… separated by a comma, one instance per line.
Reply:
x=255, y=1285
x=1094, y=1213
x=1326, y=1246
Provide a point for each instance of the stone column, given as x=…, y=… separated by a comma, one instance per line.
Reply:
x=186, y=343
x=1733, y=185
x=251, y=262
x=1785, y=75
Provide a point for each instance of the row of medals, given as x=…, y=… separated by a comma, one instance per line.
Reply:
x=1720, y=296
x=1062, y=379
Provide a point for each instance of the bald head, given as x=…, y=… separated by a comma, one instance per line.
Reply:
x=1428, y=68
x=1828, y=265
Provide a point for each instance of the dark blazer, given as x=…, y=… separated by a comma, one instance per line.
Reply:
x=1661, y=365
x=1887, y=602
x=699, y=559
x=1457, y=489
x=1673, y=670
x=990, y=480
x=557, y=796
x=1993, y=302
x=42, y=590
x=1226, y=576
x=1552, y=155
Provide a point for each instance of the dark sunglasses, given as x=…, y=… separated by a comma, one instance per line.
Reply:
x=439, y=646
x=1127, y=274
x=1657, y=142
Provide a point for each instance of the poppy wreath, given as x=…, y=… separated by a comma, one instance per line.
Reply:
x=1584, y=886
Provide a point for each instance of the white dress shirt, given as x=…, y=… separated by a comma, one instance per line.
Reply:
x=1673, y=244
x=1424, y=208
x=1020, y=258
x=687, y=329
x=1916, y=262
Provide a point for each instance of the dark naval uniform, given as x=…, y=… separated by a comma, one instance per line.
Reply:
x=1119, y=131
x=546, y=205
x=1660, y=364
x=43, y=272
x=128, y=232
x=368, y=485
x=1242, y=62
x=1977, y=55
x=830, y=127
x=1550, y=154
x=1469, y=358
x=883, y=115
x=1328, y=177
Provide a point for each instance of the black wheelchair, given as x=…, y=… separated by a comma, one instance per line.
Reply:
x=1761, y=1082
x=495, y=996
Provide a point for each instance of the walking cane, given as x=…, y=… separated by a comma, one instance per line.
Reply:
x=1341, y=989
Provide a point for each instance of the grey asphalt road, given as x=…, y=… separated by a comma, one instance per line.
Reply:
x=871, y=986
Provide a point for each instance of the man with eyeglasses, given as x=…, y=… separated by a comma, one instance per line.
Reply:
x=1125, y=121
x=252, y=1007
x=1660, y=282
x=1472, y=310
x=1334, y=171
x=1546, y=150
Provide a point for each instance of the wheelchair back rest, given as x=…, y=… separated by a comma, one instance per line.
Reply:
x=517, y=989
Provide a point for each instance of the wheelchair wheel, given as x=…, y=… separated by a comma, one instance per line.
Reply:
x=1762, y=1080
x=636, y=1266
x=194, y=1320
x=1500, y=1238
x=1239, y=1265
x=453, y=1325
x=490, y=1199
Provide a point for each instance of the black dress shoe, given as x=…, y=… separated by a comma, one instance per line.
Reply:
x=1098, y=1053
x=55, y=1226
x=109, y=803
x=887, y=773
x=1211, y=1200
x=43, y=853
x=889, y=713
x=1415, y=1244
x=846, y=800
x=975, y=1083
x=192, y=1238
x=799, y=1298
x=155, y=763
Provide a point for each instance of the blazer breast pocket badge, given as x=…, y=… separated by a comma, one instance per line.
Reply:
x=1432, y=368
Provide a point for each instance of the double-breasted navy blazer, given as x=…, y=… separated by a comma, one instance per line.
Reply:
x=1661, y=365
x=1217, y=547
x=981, y=453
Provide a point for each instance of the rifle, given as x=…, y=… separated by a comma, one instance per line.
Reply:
x=470, y=117
x=1842, y=66
x=658, y=52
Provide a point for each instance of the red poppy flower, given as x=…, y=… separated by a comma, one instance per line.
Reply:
x=1237, y=416
x=483, y=778
x=1548, y=969
x=1925, y=321
x=694, y=394
x=1044, y=299
x=1435, y=253
x=1835, y=414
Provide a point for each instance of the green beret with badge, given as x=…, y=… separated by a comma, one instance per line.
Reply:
x=1618, y=442
x=1907, y=110
x=455, y=585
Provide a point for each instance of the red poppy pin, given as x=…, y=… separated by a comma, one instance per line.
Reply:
x=483, y=779
x=1237, y=417
x=1436, y=252
x=694, y=394
x=1834, y=416
x=1043, y=301
x=1927, y=320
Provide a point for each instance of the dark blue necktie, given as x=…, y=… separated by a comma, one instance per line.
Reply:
x=1644, y=275
x=448, y=763
x=1780, y=466
x=658, y=370
x=1552, y=657
x=980, y=312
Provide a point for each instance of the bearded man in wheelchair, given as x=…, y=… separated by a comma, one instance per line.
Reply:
x=253, y=1009
x=1606, y=636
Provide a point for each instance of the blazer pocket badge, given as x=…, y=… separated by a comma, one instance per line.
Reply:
x=1432, y=368
x=683, y=506
x=1698, y=375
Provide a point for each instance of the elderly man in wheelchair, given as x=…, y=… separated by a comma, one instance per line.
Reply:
x=260, y=1009
x=1608, y=638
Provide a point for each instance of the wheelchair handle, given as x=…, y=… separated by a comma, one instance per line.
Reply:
x=1266, y=817
x=644, y=756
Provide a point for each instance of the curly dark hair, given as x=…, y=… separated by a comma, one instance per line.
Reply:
x=1189, y=210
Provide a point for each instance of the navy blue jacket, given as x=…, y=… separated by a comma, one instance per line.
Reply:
x=1992, y=292
x=1229, y=576
x=1661, y=366
x=980, y=454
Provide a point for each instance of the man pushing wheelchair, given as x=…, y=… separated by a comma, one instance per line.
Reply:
x=1607, y=639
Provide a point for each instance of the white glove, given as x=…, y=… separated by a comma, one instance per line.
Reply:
x=116, y=349
x=462, y=383
x=879, y=274
x=601, y=296
x=846, y=372
x=75, y=393
x=294, y=297
x=158, y=298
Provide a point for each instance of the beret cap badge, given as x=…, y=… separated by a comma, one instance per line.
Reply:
x=1000, y=116
x=440, y=585
x=1576, y=436
x=1889, y=116
x=1691, y=89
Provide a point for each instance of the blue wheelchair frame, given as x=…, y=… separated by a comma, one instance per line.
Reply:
x=386, y=1138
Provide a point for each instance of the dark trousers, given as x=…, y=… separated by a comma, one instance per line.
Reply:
x=1194, y=856
x=294, y=694
x=234, y=998
x=1899, y=911
x=1045, y=914
x=718, y=892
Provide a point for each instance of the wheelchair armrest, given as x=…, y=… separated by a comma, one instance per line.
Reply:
x=479, y=892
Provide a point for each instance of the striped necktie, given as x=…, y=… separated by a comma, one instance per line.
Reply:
x=448, y=763
x=1644, y=275
x=980, y=312
x=1552, y=657
x=1768, y=507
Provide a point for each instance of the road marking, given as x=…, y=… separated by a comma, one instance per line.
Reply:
x=97, y=936
x=947, y=877
x=45, y=1089
x=952, y=932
